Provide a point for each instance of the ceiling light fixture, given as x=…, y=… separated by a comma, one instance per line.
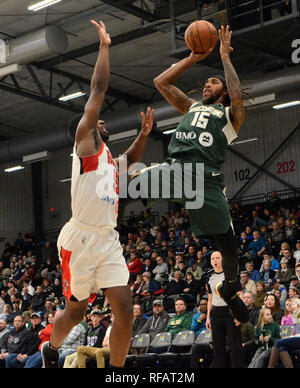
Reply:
x=42, y=4
x=72, y=96
x=286, y=105
x=12, y=169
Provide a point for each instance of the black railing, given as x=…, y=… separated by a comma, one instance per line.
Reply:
x=261, y=198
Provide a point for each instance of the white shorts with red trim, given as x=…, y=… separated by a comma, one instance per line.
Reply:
x=91, y=259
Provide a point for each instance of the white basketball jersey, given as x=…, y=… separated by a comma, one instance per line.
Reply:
x=95, y=189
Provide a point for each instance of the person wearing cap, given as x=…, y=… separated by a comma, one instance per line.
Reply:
x=157, y=322
x=295, y=282
x=148, y=284
x=33, y=342
x=94, y=337
x=26, y=319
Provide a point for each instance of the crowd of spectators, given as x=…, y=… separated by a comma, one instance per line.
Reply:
x=169, y=268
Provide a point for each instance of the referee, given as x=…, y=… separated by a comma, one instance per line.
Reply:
x=221, y=321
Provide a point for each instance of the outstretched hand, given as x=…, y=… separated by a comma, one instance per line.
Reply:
x=225, y=38
x=103, y=35
x=147, y=121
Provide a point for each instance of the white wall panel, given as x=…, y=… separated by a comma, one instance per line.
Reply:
x=16, y=203
x=271, y=127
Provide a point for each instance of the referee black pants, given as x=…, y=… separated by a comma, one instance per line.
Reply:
x=223, y=328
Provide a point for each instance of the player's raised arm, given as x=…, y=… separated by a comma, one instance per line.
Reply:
x=136, y=150
x=237, y=109
x=165, y=82
x=99, y=84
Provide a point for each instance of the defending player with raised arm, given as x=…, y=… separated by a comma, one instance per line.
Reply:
x=89, y=248
x=88, y=135
x=206, y=130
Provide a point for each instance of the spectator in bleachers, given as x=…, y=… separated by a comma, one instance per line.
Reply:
x=290, y=232
x=148, y=284
x=196, y=270
x=158, y=320
x=3, y=330
x=35, y=360
x=297, y=270
x=134, y=266
x=256, y=248
x=254, y=274
x=94, y=337
x=14, y=343
x=75, y=338
x=273, y=303
x=293, y=293
x=275, y=265
x=276, y=238
x=249, y=300
x=295, y=282
x=33, y=342
x=136, y=285
x=246, y=283
x=199, y=318
x=276, y=286
x=260, y=294
x=284, y=274
x=296, y=253
x=267, y=274
x=267, y=332
x=8, y=314
x=181, y=321
x=146, y=303
x=176, y=286
x=291, y=261
x=257, y=221
x=138, y=319
x=38, y=300
x=288, y=318
x=161, y=270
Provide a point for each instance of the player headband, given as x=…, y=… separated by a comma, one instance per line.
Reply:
x=221, y=78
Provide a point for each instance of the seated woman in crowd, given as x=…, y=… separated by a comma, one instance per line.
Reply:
x=273, y=303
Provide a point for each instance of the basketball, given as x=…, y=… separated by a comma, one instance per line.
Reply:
x=200, y=36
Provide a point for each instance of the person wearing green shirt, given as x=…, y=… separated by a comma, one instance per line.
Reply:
x=192, y=173
x=267, y=332
x=181, y=321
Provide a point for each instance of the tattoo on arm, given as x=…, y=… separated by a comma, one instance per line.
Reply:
x=177, y=98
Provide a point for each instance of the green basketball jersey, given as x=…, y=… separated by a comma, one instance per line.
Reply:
x=203, y=136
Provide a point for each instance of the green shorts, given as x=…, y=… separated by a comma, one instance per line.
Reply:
x=163, y=182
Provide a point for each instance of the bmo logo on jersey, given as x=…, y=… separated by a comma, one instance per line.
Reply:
x=206, y=139
x=186, y=135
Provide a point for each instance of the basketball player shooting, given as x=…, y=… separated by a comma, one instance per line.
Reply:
x=203, y=135
x=219, y=119
x=90, y=251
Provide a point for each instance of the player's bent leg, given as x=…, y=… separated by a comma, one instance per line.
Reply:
x=121, y=332
x=63, y=324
